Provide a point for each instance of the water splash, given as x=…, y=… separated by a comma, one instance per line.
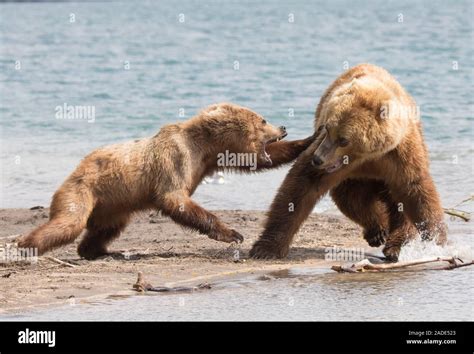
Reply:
x=418, y=249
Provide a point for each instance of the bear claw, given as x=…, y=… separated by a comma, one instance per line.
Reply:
x=232, y=236
x=236, y=237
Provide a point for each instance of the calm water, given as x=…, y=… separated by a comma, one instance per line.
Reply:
x=183, y=66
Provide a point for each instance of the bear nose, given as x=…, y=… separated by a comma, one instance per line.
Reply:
x=317, y=161
x=283, y=128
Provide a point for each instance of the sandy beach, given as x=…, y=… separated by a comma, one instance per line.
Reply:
x=167, y=254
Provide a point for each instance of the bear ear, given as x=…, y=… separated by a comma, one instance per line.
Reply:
x=390, y=110
x=394, y=110
x=383, y=112
x=395, y=121
x=215, y=110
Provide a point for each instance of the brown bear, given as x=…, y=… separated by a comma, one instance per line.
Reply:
x=161, y=173
x=370, y=154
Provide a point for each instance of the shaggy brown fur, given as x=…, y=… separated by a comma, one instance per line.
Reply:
x=370, y=154
x=160, y=173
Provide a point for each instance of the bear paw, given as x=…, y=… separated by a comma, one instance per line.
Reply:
x=26, y=243
x=90, y=253
x=263, y=249
x=391, y=252
x=230, y=236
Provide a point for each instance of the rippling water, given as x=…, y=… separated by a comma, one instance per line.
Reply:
x=187, y=65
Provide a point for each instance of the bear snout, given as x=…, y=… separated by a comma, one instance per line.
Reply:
x=317, y=161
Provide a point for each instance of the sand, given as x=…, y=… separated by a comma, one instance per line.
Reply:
x=166, y=253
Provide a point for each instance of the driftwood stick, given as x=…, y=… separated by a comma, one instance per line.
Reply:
x=458, y=213
x=366, y=265
x=466, y=216
x=55, y=260
x=142, y=285
x=458, y=265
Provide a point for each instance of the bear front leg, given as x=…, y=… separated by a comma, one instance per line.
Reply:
x=400, y=232
x=397, y=237
x=301, y=189
x=282, y=152
x=421, y=204
x=184, y=211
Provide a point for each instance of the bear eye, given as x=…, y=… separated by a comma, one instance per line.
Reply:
x=321, y=127
x=264, y=121
x=342, y=142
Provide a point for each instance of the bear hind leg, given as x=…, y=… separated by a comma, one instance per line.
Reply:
x=69, y=212
x=100, y=233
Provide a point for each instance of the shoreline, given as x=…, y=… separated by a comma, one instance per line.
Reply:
x=166, y=253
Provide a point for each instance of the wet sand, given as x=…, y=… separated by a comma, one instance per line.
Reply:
x=166, y=253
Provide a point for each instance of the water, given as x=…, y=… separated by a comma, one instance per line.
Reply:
x=190, y=65
x=299, y=294
x=283, y=67
x=293, y=295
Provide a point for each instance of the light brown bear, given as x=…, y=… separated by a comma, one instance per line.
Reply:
x=370, y=154
x=160, y=173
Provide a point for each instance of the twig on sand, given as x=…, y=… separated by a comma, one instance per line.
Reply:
x=55, y=260
x=10, y=236
x=142, y=285
x=7, y=269
x=366, y=266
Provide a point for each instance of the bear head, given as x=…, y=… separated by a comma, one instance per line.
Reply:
x=360, y=120
x=240, y=130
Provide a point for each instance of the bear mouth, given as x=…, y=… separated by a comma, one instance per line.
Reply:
x=335, y=166
x=266, y=155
